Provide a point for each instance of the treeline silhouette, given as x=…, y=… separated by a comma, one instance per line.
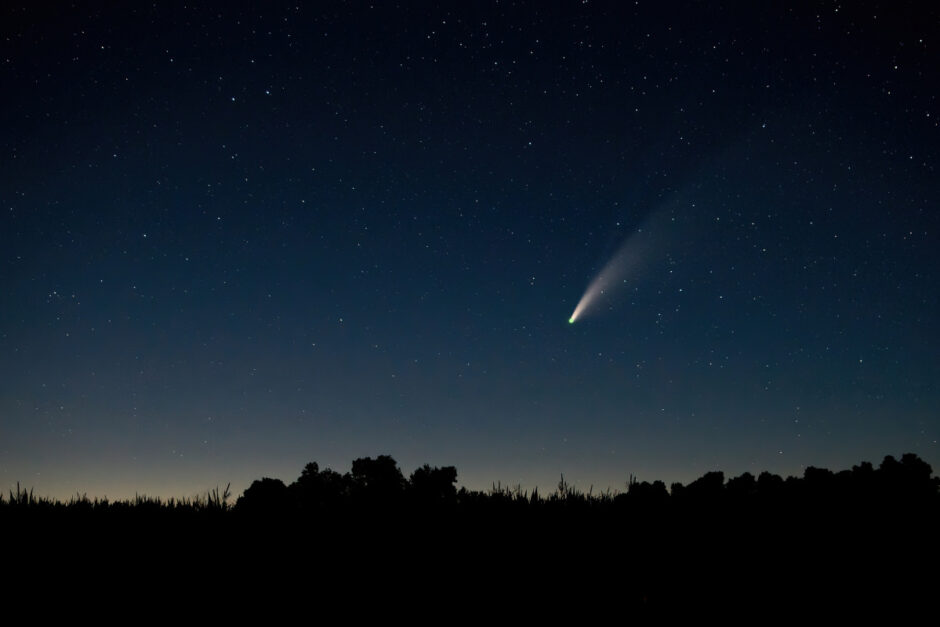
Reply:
x=379, y=486
x=833, y=538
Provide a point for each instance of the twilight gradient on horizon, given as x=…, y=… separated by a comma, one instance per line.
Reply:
x=236, y=240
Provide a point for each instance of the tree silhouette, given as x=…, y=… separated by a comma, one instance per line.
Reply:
x=819, y=485
x=709, y=486
x=264, y=495
x=317, y=489
x=908, y=478
x=377, y=481
x=769, y=485
x=742, y=487
x=646, y=494
x=434, y=486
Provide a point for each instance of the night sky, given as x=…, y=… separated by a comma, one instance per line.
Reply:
x=236, y=239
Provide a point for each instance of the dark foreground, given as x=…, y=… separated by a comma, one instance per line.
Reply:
x=848, y=542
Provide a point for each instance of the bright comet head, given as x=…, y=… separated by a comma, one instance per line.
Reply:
x=571, y=320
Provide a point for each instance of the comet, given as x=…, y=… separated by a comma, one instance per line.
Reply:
x=622, y=268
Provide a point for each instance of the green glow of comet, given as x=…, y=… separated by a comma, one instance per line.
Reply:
x=571, y=320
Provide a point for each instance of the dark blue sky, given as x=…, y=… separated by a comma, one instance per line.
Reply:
x=235, y=240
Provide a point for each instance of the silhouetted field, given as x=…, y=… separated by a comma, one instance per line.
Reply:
x=859, y=537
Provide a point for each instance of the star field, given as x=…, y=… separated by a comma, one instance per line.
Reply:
x=234, y=240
